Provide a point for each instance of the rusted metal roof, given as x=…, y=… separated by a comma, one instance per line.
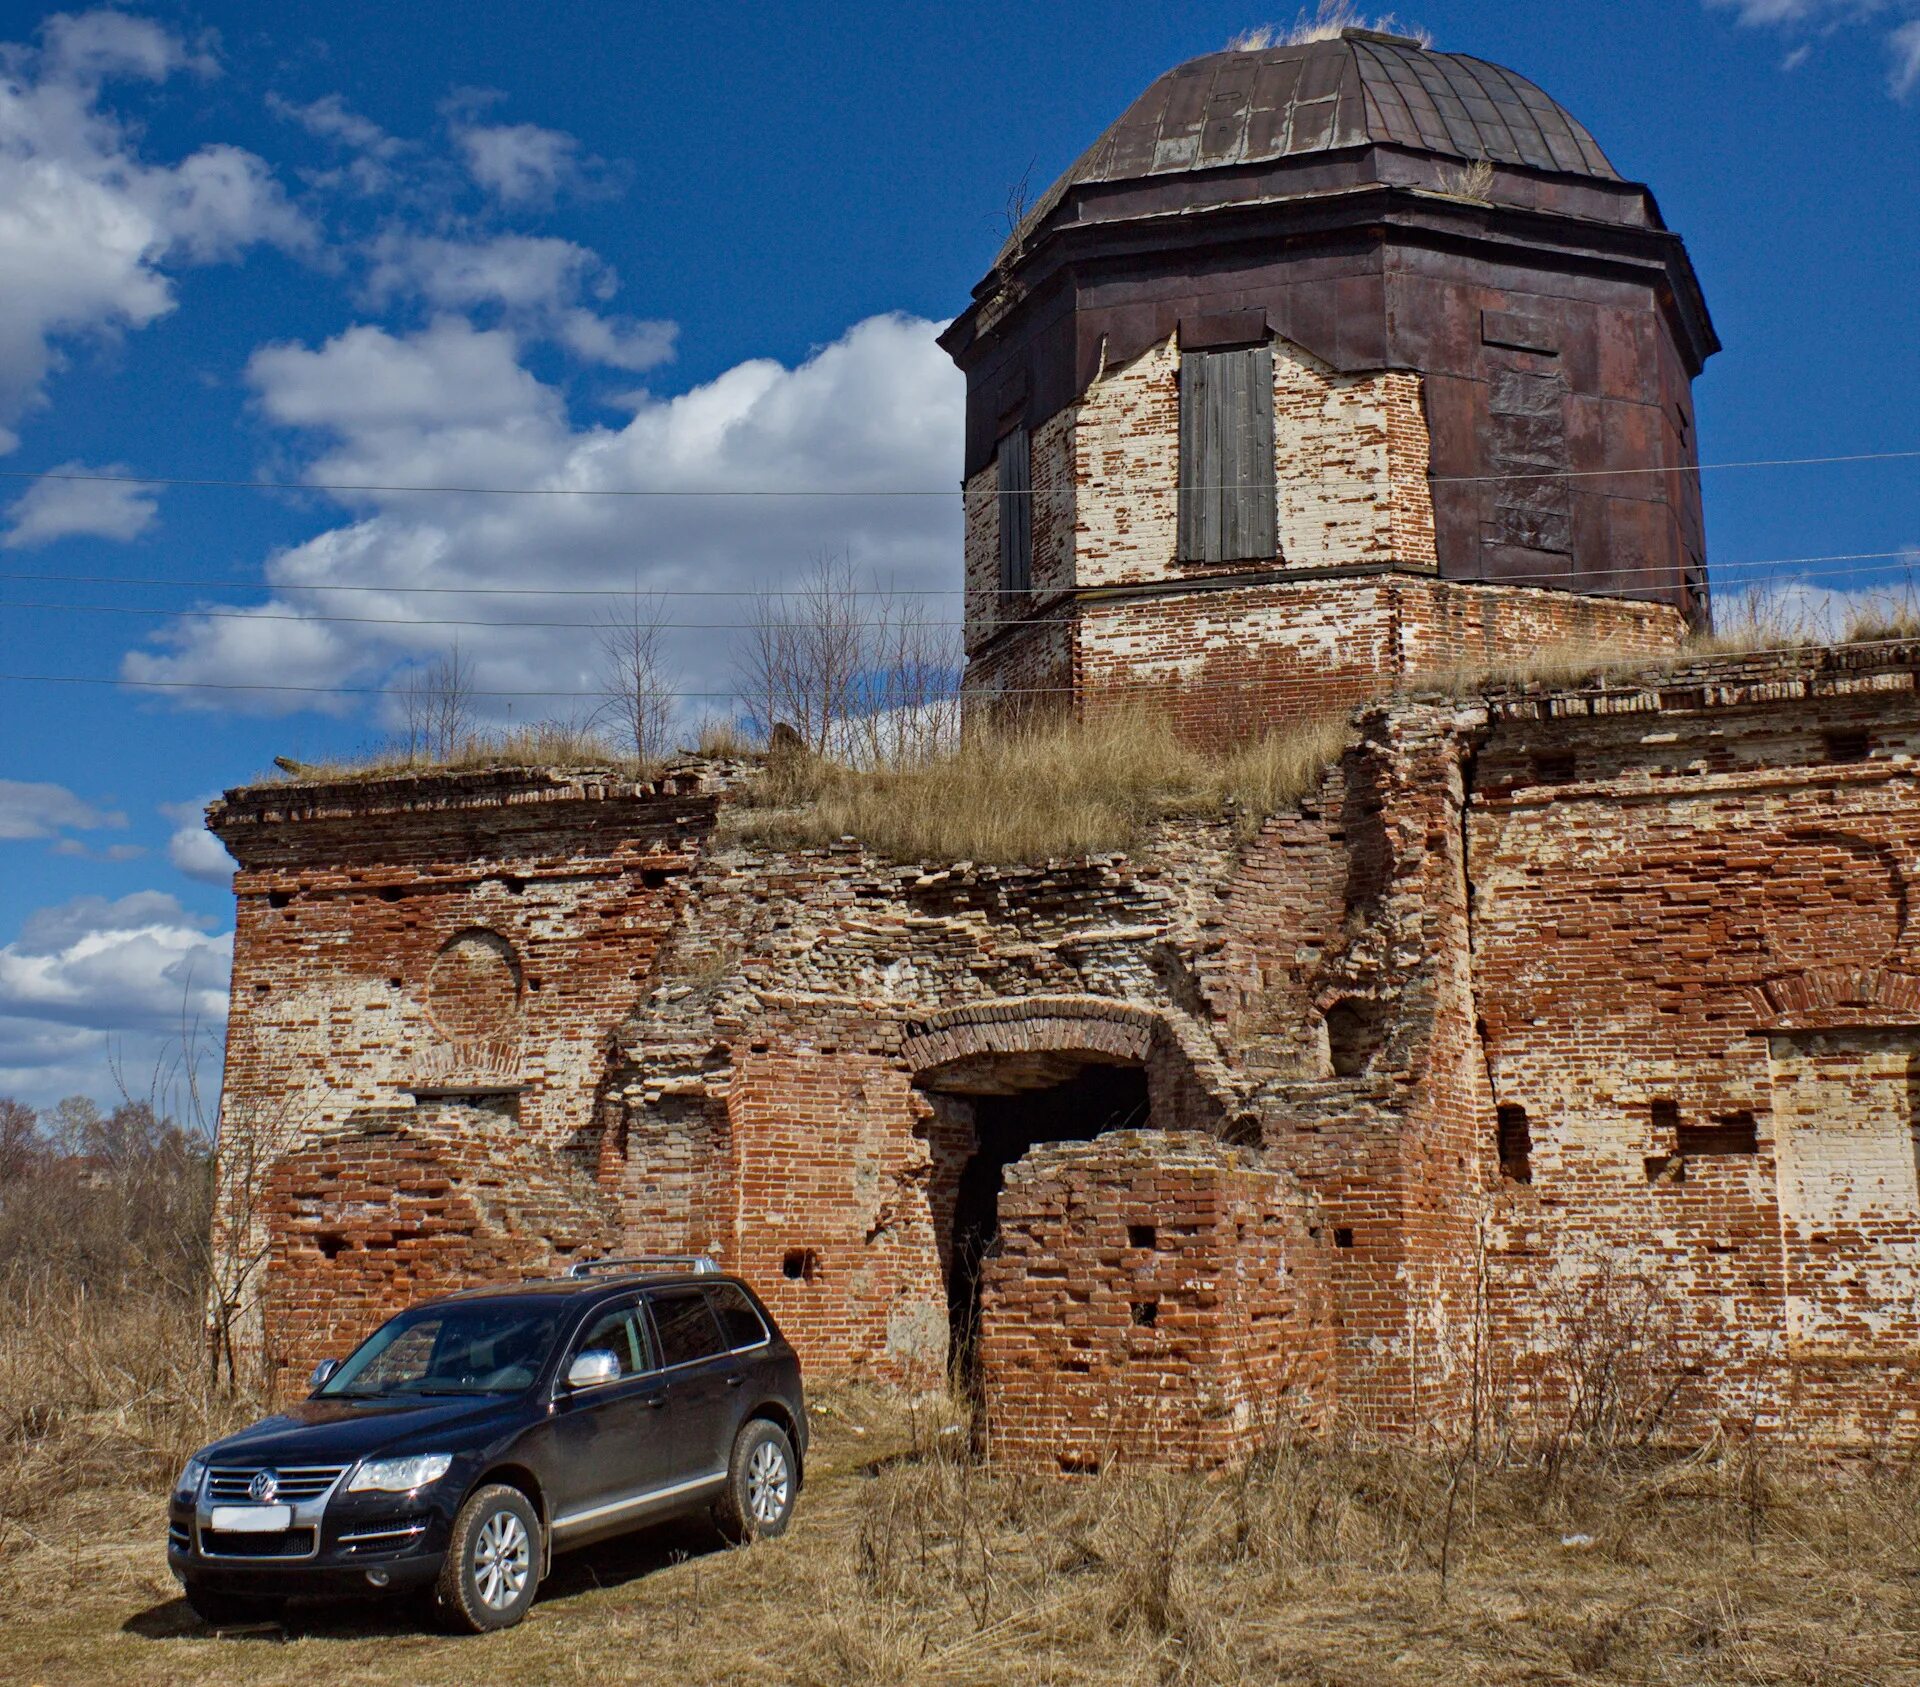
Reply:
x=1358, y=89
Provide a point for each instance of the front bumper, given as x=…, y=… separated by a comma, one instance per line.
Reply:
x=336, y=1544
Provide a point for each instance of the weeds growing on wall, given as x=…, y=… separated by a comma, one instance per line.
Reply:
x=1035, y=791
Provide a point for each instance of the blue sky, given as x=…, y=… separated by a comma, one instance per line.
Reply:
x=620, y=244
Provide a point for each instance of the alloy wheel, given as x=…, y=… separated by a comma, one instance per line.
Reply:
x=502, y=1557
x=768, y=1484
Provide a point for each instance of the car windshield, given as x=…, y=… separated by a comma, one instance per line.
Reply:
x=450, y=1349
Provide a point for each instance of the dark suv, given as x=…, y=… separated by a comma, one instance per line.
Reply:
x=470, y=1438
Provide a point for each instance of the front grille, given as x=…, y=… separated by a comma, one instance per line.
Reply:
x=230, y=1485
x=289, y=1543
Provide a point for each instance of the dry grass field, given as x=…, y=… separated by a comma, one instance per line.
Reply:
x=907, y=1563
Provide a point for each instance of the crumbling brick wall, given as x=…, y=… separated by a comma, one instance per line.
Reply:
x=1574, y=1015
x=1700, y=985
x=425, y=945
x=405, y=1204
x=1348, y=607
x=1155, y=1297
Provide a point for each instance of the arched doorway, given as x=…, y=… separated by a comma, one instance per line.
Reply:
x=1004, y=1124
x=1005, y=1077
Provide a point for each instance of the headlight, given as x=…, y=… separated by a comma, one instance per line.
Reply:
x=399, y=1476
x=187, y=1483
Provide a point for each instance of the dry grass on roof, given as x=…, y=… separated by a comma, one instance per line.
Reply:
x=549, y=744
x=1039, y=791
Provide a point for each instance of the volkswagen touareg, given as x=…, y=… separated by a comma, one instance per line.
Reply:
x=471, y=1437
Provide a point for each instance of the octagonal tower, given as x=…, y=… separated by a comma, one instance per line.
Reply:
x=1326, y=365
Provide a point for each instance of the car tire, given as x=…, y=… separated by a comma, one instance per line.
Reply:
x=763, y=1481
x=492, y=1567
x=218, y=1609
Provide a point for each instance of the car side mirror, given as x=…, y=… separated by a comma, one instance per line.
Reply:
x=322, y=1373
x=593, y=1368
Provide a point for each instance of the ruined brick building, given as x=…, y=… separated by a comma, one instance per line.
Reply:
x=1557, y=1022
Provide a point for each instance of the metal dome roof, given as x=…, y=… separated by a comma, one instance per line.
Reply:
x=1355, y=89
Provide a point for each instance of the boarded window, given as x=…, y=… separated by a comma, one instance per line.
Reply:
x=1016, y=512
x=1226, y=456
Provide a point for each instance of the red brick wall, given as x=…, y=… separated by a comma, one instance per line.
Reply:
x=1155, y=1298
x=1224, y=663
x=400, y=952
x=1699, y=977
x=363, y=1224
x=482, y=1026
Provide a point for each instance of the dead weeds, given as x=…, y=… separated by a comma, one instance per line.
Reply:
x=1034, y=791
x=909, y=1563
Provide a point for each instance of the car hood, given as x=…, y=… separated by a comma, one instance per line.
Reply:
x=339, y=1431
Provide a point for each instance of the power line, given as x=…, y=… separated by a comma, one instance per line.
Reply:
x=211, y=483
x=955, y=694
x=1543, y=579
x=1908, y=556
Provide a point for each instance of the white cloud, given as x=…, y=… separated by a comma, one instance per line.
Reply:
x=80, y=850
x=94, y=984
x=375, y=391
x=521, y=272
x=374, y=158
x=1825, y=17
x=65, y=509
x=87, y=228
x=519, y=163
x=1905, y=44
x=332, y=119
x=877, y=411
x=115, y=965
x=89, y=47
x=619, y=342
x=537, y=284
x=194, y=850
x=42, y=811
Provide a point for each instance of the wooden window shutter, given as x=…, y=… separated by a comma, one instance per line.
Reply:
x=1227, y=500
x=1016, y=512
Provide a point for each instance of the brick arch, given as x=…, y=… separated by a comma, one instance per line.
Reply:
x=1047, y=1038
x=1032, y=1028
x=1837, y=996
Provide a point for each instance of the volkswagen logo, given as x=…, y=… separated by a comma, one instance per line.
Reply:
x=265, y=1484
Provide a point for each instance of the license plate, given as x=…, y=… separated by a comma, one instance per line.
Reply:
x=251, y=1519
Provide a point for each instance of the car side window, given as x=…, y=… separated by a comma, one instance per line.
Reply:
x=739, y=1323
x=685, y=1326
x=617, y=1331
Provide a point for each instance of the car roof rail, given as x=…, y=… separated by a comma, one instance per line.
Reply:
x=698, y=1265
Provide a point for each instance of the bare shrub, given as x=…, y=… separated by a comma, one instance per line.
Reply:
x=861, y=675
x=436, y=706
x=1036, y=790
x=637, y=681
x=1610, y=1369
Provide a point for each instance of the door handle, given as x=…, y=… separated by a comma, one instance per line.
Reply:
x=735, y=1380
x=656, y=1401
